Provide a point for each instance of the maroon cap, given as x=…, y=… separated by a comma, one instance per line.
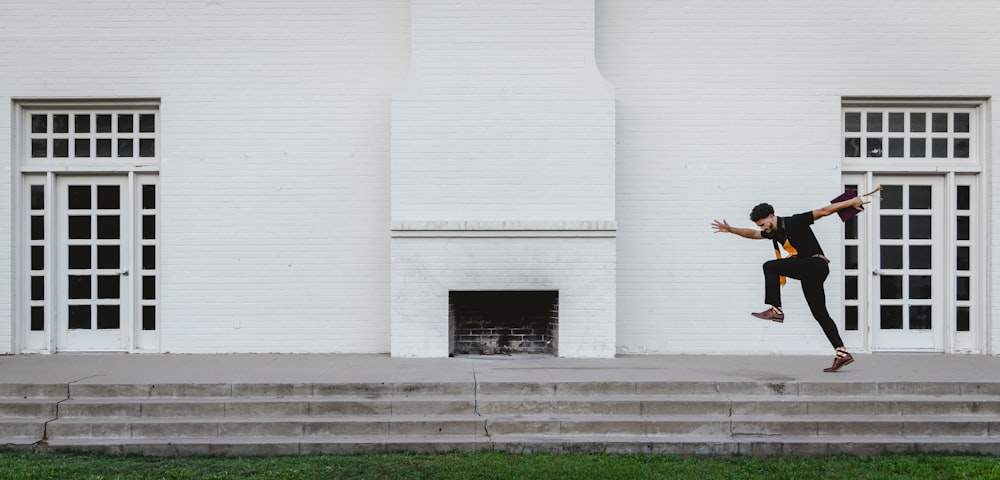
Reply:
x=847, y=213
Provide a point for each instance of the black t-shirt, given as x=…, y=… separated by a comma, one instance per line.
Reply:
x=796, y=231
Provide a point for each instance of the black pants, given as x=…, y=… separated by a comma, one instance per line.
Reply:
x=812, y=272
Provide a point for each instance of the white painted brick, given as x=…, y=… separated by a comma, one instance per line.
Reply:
x=276, y=130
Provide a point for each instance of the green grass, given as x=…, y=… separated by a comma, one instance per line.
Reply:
x=497, y=466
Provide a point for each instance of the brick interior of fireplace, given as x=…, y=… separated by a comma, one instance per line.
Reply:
x=503, y=322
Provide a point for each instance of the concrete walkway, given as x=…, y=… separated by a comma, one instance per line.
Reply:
x=332, y=368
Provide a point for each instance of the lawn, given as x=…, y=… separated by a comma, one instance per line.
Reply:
x=498, y=466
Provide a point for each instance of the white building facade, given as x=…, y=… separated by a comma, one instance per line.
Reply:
x=384, y=177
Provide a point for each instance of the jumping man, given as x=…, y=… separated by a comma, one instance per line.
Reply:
x=805, y=263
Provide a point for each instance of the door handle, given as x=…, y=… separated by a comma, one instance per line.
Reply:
x=123, y=272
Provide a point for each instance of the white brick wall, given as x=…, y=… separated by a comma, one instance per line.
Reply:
x=503, y=120
x=426, y=269
x=503, y=115
x=276, y=137
x=275, y=155
x=723, y=104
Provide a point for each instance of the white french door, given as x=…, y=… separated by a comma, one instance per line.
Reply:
x=92, y=249
x=908, y=264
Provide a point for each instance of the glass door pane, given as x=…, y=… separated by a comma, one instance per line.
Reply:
x=908, y=264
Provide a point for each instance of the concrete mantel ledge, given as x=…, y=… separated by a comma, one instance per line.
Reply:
x=504, y=228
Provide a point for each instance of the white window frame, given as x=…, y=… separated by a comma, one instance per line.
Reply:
x=139, y=170
x=972, y=171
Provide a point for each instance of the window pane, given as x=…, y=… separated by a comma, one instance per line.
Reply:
x=79, y=227
x=39, y=123
x=918, y=147
x=39, y=148
x=79, y=256
x=108, y=227
x=851, y=257
x=961, y=148
x=79, y=317
x=147, y=147
x=38, y=197
x=149, y=196
x=79, y=197
x=104, y=147
x=891, y=317
x=125, y=147
x=81, y=123
x=851, y=287
x=962, y=122
x=895, y=147
x=962, y=319
x=108, y=256
x=148, y=317
x=37, y=319
x=37, y=257
x=892, y=196
x=939, y=148
x=891, y=227
x=852, y=147
x=920, y=287
x=37, y=227
x=920, y=227
x=108, y=197
x=79, y=286
x=81, y=147
x=108, y=317
x=963, y=227
x=148, y=288
x=851, y=228
x=874, y=147
x=148, y=227
x=963, y=197
x=939, y=122
x=874, y=121
x=851, y=317
x=962, y=288
x=148, y=257
x=918, y=122
x=891, y=287
x=60, y=148
x=920, y=257
x=147, y=123
x=962, y=260
x=920, y=197
x=891, y=256
x=60, y=124
x=124, y=123
x=108, y=286
x=104, y=124
x=852, y=122
x=920, y=317
x=896, y=122
x=38, y=288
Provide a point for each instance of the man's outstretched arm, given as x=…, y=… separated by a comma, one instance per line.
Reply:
x=832, y=208
x=724, y=226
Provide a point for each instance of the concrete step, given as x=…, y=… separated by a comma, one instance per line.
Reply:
x=20, y=429
x=523, y=444
x=654, y=417
x=29, y=407
x=472, y=389
x=252, y=406
x=285, y=426
x=541, y=424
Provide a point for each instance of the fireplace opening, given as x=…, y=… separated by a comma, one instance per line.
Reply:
x=503, y=322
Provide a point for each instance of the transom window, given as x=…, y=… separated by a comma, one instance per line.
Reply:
x=107, y=134
x=889, y=134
